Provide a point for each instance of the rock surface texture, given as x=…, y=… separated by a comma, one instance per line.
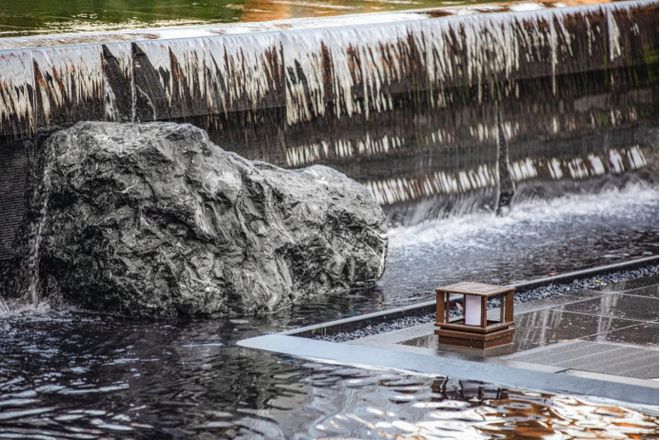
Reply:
x=154, y=219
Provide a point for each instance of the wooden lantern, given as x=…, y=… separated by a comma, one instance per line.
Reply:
x=474, y=329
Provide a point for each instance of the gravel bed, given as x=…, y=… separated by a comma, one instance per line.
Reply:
x=522, y=296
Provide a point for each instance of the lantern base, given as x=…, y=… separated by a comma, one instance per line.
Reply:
x=475, y=340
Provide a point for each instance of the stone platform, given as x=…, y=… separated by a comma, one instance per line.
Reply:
x=597, y=342
x=612, y=331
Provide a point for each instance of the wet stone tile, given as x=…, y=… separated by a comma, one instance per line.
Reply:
x=550, y=326
x=428, y=341
x=642, y=334
x=641, y=286
x=541, y=328
x=618, y=306
x=555, y=301
x=456, y=352
x=597, y=357
x=649, y=291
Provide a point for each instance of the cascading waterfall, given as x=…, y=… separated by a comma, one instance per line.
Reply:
x=335, y=72
x=433, y=86
x=32, y=291
x=29, y=280
x=413, y=105
x=438, y=113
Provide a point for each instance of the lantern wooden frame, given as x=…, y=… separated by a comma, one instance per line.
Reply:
x=488, y=334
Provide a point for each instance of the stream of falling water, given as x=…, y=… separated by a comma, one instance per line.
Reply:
x=30, y=274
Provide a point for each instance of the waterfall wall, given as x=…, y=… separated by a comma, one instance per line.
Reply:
x=435, y=111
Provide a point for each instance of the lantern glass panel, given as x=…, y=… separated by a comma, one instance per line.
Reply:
x=472, y=310
x=495, y=309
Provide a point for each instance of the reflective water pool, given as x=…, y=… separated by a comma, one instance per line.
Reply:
x=73, y=376
x=68, y=374
x=34, y=17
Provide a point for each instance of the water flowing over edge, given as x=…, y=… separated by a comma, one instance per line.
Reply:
x=613, y=201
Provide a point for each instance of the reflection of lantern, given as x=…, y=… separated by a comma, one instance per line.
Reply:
x=461, y=390
x=475, y=328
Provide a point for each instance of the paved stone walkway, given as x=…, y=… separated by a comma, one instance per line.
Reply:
x=601, y=343
x=613, y=332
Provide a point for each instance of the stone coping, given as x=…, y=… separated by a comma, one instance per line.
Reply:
x=504, y=374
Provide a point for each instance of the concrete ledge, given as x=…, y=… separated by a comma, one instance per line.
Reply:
x=639, y=392
x=386, y=351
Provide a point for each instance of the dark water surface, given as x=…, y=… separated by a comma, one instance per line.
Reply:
x=67, y=374
x=33, y=17
x=72, y=376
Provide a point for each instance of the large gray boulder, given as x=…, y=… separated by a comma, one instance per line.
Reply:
x=154, y=219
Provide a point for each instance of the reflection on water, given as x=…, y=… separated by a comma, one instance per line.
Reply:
x=77, y=376
x=34, y=17
x=66, y=374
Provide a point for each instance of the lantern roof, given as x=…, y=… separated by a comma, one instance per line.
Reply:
x=478, y=289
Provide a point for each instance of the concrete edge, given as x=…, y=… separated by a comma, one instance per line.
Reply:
x=426, y=307
x=501, y=374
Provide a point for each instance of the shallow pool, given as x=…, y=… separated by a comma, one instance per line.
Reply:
x=19, y=18
x=68, y=374
x=81, y=377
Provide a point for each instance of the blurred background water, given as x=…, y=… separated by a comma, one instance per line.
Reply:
x=19, y=18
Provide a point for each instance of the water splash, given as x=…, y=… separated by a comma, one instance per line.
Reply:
x=4, y=308
x=465, y=230
x=505, y=181
x=13, y=308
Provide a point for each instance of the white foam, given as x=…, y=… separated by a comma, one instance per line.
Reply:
x=522, y=218
x=9, y=308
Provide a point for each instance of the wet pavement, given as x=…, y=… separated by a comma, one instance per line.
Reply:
x=611, y=331
x=589, y=341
